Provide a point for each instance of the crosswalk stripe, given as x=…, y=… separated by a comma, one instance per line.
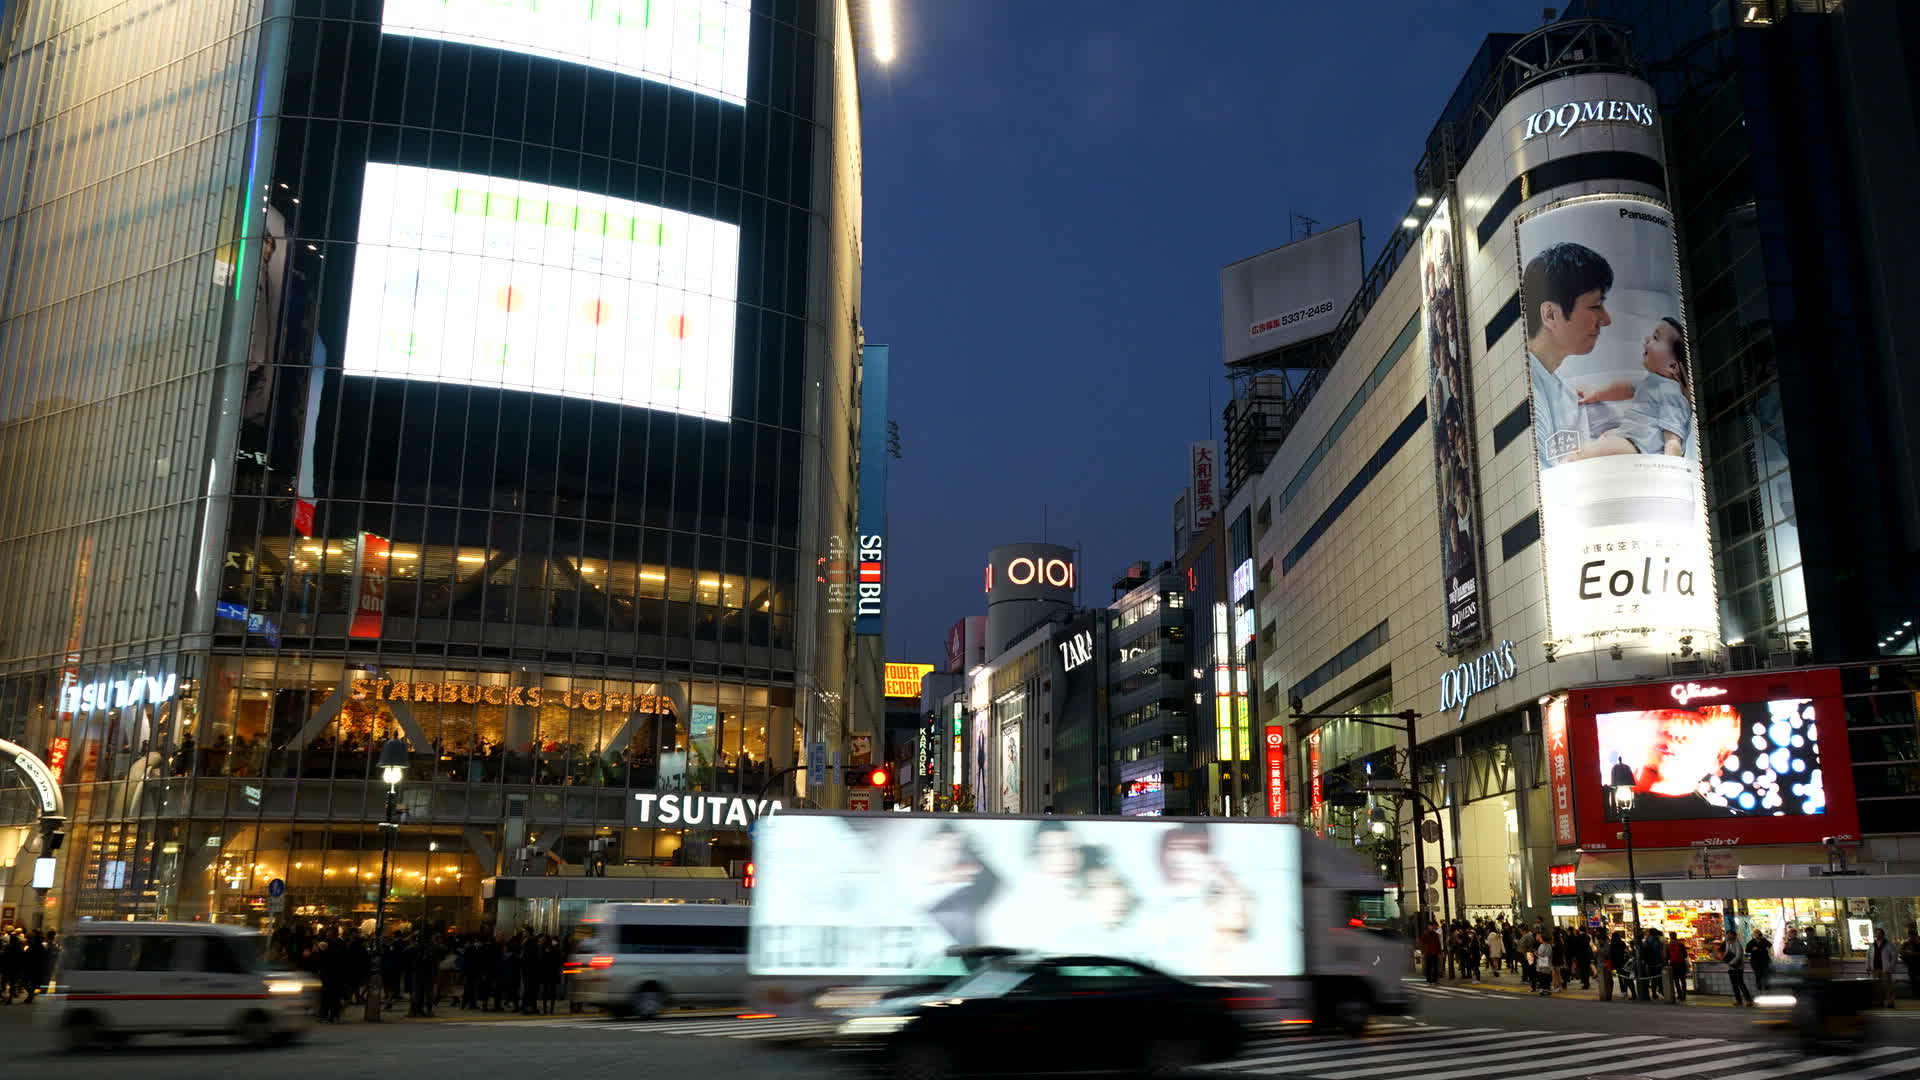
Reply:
x=1711, y=1046
x=1349, y=1047
x=1694, y=1070
x=1811, y=1064
x=1414, y=1060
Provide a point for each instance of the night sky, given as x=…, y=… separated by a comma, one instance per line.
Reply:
x=1052, y=187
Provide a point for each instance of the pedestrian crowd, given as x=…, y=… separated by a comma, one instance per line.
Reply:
x=1651, y=967
x=520, y=972
x=26, y=962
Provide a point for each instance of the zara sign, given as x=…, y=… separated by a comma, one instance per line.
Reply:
x=1076, y=650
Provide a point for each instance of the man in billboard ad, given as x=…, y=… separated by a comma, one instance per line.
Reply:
x=1452, y=419
x=1625, y=528
x=1731, y=761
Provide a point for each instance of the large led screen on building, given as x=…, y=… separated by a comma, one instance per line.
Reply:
x=1623, y=520
x=860, y=895
x=484, y=281
x=698, y=45
x=1449, y=405
x=1749, y=759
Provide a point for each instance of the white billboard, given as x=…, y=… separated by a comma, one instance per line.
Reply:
x=697, y=45
x=1289, y=294
x=877, y=895
x=485, y=281
x=1624, y=524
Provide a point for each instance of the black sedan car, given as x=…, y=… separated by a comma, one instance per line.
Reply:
x=1031, y=1014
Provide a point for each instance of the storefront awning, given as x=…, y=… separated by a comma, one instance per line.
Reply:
x=1809, y=888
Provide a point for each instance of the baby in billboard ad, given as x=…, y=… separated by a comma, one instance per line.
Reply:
x=1623, y=521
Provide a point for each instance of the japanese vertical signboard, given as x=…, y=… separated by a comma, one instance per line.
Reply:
x=1560, y=772
x=1276, y=771
x=1450, y=410
x=369, y=586
x=1205, y=502
x=1316, y=789
x=1622, y=512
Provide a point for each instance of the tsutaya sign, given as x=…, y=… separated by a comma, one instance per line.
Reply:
x=118, y=693
x=1564, y=118
x=650, y=808
x=1483, y=672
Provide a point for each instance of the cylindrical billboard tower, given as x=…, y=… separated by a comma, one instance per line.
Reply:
x=1026, y=583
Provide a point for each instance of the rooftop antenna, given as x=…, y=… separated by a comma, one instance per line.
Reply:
x=1305, y=224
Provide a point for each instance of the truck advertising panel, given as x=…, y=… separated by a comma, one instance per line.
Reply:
x=847, y=898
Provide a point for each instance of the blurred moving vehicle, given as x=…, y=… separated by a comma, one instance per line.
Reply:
x=119, y=980
x=638, y=957
x=848, y=904
x=960, y=961
x=1031, y=1014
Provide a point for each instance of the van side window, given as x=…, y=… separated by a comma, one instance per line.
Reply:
x=221, y=958
x=104, y=952
x=657, y=938
x=156, y=952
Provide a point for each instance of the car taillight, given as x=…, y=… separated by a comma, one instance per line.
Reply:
x=1247, y=1002
x=600, y=962
x=571, y=967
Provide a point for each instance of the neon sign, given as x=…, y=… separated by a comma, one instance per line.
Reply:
x=1685, y=692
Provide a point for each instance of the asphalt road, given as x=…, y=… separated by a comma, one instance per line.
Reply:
x=1459, y=1033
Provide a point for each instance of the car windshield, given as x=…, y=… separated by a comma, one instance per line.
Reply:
x=990, y=982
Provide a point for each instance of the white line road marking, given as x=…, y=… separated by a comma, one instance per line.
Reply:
x=1425, y=1040
x=1810, y=1064
x=1560, y=1047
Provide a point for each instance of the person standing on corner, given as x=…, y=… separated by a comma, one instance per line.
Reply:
x=1676, y=970
x=1910, y=957
x=1736, y=960
x=1430, y=953
x=1880, y=963
x=1543, y=965
x=1760, y=958
x=1496, y=952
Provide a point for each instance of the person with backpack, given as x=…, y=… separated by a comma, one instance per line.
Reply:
x=1736, y=961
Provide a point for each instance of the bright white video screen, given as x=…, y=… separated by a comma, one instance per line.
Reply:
x=1751, y=759
x=693, y=44
x=483, y=281
x=888, y=894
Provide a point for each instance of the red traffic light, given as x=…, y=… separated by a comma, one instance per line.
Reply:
x=879, y=778
x=746, y=876
x=1453, y=877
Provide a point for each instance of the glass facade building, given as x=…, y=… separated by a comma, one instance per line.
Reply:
x=480, y=375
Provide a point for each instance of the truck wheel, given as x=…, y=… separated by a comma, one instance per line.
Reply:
x=1351, y=1013
x=83, y=1031
x=648, y=1002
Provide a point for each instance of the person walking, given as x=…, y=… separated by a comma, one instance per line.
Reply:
x=1736, y=961
x=1910, y=957
x=1880, y=964
x=1676, y=970
x=1430, y=953
x=1760, y=959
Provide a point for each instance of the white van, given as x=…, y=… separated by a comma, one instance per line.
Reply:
x=117, y=980
x=638, y=957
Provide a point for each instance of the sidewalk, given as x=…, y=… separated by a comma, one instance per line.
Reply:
x=1510, y=983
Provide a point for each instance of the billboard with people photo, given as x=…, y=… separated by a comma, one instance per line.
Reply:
x=847, y=895
x=1624, y=524
x=1727, y=761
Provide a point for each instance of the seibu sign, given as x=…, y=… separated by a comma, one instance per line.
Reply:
x=1482, y=673
x=1564, y=118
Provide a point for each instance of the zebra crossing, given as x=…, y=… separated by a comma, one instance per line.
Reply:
x=1429, y=1052
x=1456, y=991
x=771, y=1029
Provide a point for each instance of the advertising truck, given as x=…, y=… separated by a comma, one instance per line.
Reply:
x=852, y=903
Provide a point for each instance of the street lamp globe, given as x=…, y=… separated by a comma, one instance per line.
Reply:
x=1377, y=821
x=1622, y=784
x=393, y=762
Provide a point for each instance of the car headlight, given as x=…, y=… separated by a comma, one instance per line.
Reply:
x=875, y=1025
x=285, y=986
x=1774, y=1000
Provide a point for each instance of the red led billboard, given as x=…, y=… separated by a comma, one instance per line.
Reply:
x=1716, y=761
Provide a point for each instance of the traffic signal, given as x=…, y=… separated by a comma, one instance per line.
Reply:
x=746, y=876
x=1453, y=877
x=880, y=777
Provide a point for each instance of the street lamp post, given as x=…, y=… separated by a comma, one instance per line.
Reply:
x=1407, y=718
x=1377, y=820
x=1621, y=789
x=393, y=769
